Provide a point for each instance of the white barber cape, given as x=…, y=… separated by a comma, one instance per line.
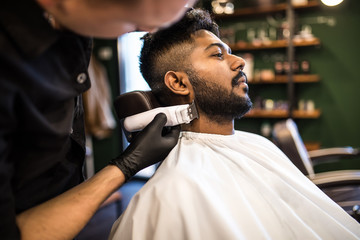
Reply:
x=239, y=186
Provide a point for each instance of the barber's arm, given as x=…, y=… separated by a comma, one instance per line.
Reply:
x=64, y=216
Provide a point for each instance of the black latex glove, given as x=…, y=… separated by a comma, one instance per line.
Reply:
x=150, y=146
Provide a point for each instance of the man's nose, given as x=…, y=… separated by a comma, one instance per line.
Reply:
x=238, y=64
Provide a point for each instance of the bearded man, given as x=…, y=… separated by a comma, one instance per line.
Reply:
x=218, y=183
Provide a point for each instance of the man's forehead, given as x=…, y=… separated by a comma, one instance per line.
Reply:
x=205, y=39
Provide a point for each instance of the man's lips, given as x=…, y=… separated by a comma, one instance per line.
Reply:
x=239, y=79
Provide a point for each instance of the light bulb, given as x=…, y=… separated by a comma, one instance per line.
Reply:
x=331, y=3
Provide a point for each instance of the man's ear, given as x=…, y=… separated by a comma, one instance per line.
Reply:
x=177, y=82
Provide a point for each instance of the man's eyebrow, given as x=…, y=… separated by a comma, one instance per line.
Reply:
x=220, y=45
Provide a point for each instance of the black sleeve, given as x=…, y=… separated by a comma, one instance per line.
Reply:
x=8, y=227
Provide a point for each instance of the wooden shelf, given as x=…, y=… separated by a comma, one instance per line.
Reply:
x=243, y=46
x=306, y=114
x=253, y=11
x=280, y=113
x=261, y=113
x=298, y=78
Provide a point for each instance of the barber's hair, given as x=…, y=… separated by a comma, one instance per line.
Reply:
x=168, y=50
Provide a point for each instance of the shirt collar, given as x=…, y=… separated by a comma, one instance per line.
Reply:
x=25, y=24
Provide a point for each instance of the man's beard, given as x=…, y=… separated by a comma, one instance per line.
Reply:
x=215, y=101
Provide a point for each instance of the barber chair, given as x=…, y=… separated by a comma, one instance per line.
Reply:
x=132, y=103
x=342, y=186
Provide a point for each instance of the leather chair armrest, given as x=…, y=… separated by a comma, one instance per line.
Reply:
x=329, y=154
x=337, y=178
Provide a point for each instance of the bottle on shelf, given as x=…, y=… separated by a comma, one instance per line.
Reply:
x=305, y=67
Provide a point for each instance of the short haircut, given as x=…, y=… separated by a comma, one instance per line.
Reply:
x=168, y=50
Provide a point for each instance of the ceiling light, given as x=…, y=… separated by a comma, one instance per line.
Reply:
x=331, y=3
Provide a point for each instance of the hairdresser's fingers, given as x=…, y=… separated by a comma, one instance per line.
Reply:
x=157, y=123
x=148, y=147
x=173, y=134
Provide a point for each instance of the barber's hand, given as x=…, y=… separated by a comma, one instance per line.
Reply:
x=150, y=146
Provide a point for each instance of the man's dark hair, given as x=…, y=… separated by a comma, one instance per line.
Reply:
x=169, y=48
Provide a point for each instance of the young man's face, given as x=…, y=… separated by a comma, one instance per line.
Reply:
x=220, y=87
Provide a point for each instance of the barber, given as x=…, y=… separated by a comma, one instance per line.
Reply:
x=44, y=54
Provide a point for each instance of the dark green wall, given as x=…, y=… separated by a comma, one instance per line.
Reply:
x=337, y=95
x=336, y=61
x=109, y=148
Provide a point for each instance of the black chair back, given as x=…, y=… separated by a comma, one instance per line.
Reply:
x=287, y=138
x=132, y=103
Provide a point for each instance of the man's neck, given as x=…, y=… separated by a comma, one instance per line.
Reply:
x=205, y=124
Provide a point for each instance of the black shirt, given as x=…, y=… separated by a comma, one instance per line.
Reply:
x=43, y=73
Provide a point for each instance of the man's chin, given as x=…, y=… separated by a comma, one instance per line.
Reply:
x=242, y=93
